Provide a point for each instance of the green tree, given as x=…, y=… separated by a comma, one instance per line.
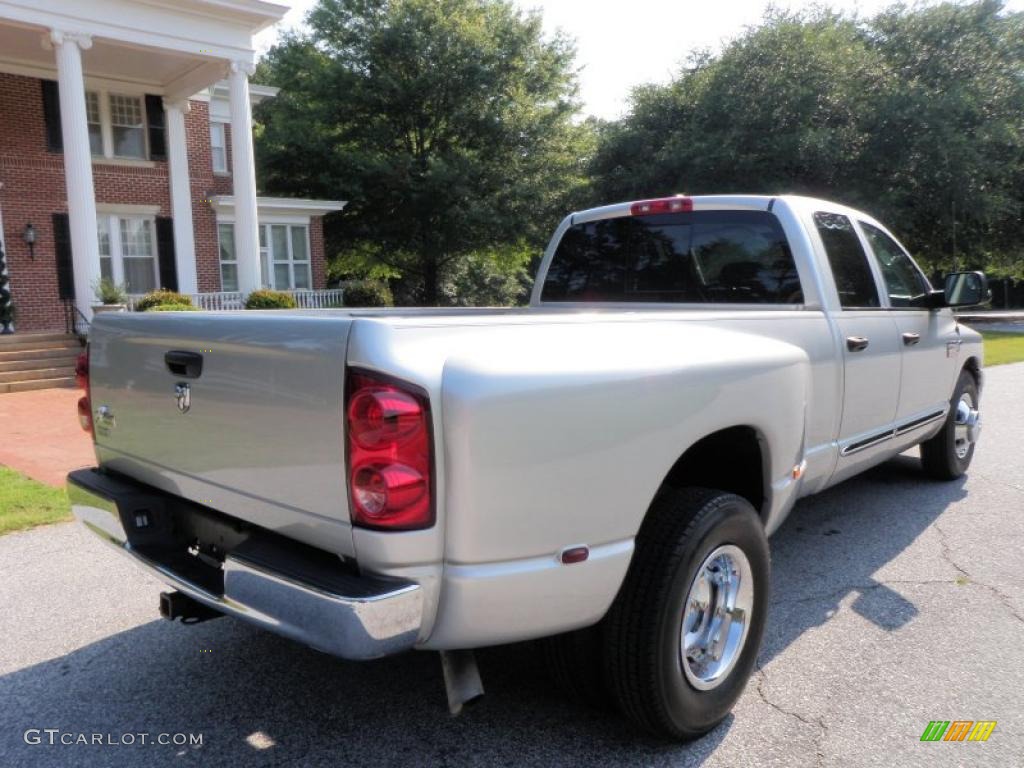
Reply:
x=447, y=124
x=777, y=110
x=916, y=115
x=945, y=153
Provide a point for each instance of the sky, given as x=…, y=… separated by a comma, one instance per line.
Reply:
x=624, y=44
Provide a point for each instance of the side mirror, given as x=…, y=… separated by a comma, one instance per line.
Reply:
x=966, y=289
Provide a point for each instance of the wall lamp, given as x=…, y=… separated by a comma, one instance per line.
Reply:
x=29, y=236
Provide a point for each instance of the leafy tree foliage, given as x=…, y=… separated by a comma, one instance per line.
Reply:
x=446, y=124
x=916, y=115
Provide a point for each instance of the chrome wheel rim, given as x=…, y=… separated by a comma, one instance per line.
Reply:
x=965, y=425
x=716, y=617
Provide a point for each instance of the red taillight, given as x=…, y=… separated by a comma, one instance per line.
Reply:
x=661, y=205
x=390, y=457
x=381, y=416
x=82, y=380
x=85, y=413
x=82, y=370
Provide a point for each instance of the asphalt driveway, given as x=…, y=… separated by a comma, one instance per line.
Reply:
x=896, y=601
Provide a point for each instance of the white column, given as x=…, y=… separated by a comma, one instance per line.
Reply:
x=77, y=165
x=181, y=197
x=243, y=170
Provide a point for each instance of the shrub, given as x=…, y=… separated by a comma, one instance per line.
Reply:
x=156, y=299
x=367, y=293
x=266, y=299
x=109, y=292
x=173, y=308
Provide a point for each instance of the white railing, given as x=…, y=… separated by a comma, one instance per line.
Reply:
x=226, y=300
x=217, y=300
x=321, y=299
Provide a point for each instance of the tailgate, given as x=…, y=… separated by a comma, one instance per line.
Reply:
x=261, y=438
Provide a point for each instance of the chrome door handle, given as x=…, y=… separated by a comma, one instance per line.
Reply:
x=910, y=339
x=856, y=343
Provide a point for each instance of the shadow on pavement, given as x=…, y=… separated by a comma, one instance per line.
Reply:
x=833, y=543
x=260, y=700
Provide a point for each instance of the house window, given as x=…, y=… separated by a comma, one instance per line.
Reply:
x=117, y=124
x=127, y=247
x=264, y=258
x=218, y=148
x=287, y=256
x=95, y=121
x=228, y=257
x=127, y=126
x=284, y=257
x=106, y=255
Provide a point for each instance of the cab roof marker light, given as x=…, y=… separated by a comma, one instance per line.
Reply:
x=676, y=204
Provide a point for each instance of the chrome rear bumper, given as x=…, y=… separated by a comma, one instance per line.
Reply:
x=264, y=580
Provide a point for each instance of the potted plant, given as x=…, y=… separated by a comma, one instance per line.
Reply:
x=112, y=296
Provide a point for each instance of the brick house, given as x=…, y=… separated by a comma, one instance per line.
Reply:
x=126, y=152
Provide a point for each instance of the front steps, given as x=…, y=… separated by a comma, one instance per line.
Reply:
x=37, y=361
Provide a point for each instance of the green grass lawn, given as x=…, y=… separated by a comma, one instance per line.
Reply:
x=24, y=503
x=1002, y=347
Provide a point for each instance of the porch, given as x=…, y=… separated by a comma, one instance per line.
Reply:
x=230, y=300
x=108, y=135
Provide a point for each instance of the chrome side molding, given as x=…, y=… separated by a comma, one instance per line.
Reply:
x=889, y=434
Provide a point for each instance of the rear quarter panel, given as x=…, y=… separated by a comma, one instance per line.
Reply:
x=566, y=442
x=558, y=430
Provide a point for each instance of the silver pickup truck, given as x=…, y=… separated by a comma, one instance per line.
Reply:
x=601, y=468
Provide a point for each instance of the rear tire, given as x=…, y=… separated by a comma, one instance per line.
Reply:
x=694, y=548
x=946, y=456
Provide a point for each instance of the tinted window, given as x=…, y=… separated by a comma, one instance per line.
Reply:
x=903, y=280
x=849, y=263
x=698, y=256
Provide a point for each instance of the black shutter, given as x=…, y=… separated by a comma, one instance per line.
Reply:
x=157, y=127
x=51, y=116
x=62, y=248
x=165, y=251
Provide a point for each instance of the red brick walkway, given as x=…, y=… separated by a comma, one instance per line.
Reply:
x=40, y=435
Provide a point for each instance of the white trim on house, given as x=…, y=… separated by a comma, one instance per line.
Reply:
x=127, y=84
x=220, y=104
x=216, y=29
x=279, y=208
x=173, y=48
x=126, y=209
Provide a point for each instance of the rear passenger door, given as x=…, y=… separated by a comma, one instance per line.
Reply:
x=929, y=339
x=869, y=341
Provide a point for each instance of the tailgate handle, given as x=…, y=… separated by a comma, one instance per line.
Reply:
x=186, y=364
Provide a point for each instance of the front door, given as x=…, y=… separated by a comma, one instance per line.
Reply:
x=929, y=339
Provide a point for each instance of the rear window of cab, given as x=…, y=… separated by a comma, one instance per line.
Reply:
x=734, y=257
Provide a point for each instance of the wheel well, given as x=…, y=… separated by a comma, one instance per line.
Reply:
x=974, y=366
x=729, y=460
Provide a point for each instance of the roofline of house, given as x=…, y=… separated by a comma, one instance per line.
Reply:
x=281, y=205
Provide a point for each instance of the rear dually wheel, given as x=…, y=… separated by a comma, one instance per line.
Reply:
x=682, y=636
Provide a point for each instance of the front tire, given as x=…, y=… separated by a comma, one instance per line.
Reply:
x=684, y=631
x=948, y=455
